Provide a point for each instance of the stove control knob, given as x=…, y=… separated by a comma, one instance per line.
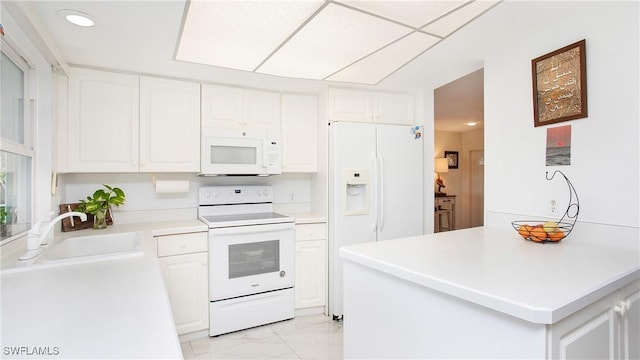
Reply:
x=207, y=194
x=266, y=192
x=215, y=194
x=283, y=273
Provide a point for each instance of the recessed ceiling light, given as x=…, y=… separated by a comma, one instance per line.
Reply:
x=77, y=17
x=472, y=123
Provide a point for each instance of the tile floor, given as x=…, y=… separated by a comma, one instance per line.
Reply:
x=304, y=337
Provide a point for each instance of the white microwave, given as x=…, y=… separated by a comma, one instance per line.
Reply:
x=239, y=152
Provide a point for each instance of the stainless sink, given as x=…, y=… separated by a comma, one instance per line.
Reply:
x=93, y=247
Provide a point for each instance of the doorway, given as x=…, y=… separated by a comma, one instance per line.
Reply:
x=459, y=128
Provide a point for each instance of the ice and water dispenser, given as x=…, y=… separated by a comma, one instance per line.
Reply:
x=356, y=184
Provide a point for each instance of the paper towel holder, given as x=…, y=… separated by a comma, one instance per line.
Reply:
x=169, y=186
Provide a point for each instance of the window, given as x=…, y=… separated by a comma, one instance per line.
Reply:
x=16, y=148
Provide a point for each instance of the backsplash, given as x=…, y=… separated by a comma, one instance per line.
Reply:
x=291, y=191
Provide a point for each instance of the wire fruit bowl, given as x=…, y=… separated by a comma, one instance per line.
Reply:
x=551, y=231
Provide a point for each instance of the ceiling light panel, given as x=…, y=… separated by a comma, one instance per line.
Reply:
x=333, y=39
x=77, y=18
x=378, y=66
x=413, y=13
x=452, y=22
x=239, y=34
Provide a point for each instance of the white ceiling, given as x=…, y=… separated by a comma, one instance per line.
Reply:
x=345, y=41
x=144, y=37
x=340, y=40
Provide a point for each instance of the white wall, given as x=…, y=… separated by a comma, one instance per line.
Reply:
x=605, y=146
x=604, y=161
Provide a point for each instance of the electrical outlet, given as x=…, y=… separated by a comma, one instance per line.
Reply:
x=553, y=207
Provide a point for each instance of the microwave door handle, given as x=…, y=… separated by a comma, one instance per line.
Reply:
x=251, y=229
x=265, y=155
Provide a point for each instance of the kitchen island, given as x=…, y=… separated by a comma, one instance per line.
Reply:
x=111, y=309
x=487, y=293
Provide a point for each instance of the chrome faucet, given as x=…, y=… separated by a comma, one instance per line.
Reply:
x=36, y=236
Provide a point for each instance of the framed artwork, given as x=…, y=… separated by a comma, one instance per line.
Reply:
x=560, y=85
x=452, y=159
x=558, y=146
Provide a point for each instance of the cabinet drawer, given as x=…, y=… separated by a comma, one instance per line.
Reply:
x=311, y=232
x=445, y=201
x=182, y=244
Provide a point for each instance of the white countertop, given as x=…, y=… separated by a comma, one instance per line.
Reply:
x=495, y=268
x=308, y=218
x=106, y=309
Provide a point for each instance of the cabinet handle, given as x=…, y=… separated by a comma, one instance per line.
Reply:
x=623, y=308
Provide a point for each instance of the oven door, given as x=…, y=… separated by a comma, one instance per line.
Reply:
x=250, y=259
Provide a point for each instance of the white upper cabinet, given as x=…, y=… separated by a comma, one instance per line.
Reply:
x=261, y=110
x=169, y=125
x=126, y=123
x=391, y=108
x=102, y=131
x=221, y=107
x=350, y=105
x=299, y=133
x=371, y=107
x=235, y=108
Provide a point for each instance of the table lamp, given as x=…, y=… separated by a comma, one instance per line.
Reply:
x=441, y=166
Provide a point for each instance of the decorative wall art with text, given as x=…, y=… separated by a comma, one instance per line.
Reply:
x=560, y=85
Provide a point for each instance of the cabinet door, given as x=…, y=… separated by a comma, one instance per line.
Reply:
x=299, y=133
x=103, y=122
x=630, y=322
x=311, y=268
x=185, y=277
x=261, y=110
x=591, y=333
x=169, y=125
x=221, y=107
x=389, y=108
x=350, y=105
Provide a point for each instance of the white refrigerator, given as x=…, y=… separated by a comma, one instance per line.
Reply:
x=375, y=190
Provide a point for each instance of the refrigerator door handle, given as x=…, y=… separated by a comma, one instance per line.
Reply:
x=374, y=192
x=381, y=192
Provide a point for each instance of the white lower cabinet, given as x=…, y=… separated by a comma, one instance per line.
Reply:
x=184, y=264
x=606, y=329
x=311, y=266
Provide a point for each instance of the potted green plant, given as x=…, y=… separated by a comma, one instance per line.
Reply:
x=5, y=230
x=99, y=203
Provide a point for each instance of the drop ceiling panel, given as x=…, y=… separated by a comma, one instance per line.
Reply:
x=378, y=66
x=239, y=34
x=411, y=12
x=335, y=38
x=448, y=24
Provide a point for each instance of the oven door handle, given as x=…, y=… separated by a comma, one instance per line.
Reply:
x=250, y=229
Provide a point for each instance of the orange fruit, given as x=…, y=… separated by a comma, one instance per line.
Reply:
x=524, y=231
x=556, y=236
x=538, y=234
